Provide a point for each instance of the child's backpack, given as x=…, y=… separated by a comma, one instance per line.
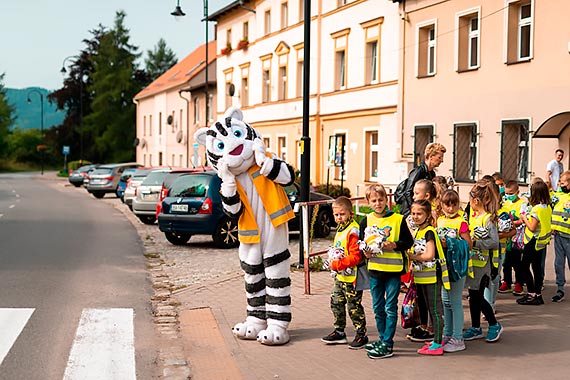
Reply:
x=457, y=258
x=410, y=315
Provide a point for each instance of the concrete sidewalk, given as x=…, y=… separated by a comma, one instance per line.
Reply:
x=536, y=340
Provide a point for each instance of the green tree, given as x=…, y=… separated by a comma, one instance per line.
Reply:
x=6, y=118
x=22, y=145
x=115, y=81
x=159, y=60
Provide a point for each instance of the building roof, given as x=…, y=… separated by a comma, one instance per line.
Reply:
x=230, y=7
x=182, y=72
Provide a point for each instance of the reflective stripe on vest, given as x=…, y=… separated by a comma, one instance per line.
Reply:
x=544, y=228
x=388, y=261
x=341, y=240
x=429, y=275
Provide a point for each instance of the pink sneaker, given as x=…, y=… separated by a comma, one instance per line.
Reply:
x=425, y=350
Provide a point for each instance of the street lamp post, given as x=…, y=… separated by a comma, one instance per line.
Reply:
x=63, y=71
x=179, y=13
x=42, y=146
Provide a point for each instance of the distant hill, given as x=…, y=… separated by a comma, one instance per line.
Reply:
x=28, y=116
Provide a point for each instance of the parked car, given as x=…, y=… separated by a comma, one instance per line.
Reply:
x=169, y=180
x=106, y=178
x=78, y=175
x=324, y=220
x=132, y=183
x=193, y=206
x=122, y=185
x=147, y=194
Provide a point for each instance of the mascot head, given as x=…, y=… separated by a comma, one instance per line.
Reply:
x=230, y=139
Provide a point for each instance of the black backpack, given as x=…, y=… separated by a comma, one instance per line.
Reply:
x=399, y=192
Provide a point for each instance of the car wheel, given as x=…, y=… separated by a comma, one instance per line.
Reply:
x=98, y=194
x=177, y=238
x=77, y=184
x=148, y=219
x=323, y=223
x=226, y=234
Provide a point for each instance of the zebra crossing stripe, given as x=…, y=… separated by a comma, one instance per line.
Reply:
x=103, y=347
x=12, y=322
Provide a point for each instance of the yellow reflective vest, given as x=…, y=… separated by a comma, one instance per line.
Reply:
x=341, y=240
x=275, y=202
x=387, y=261
x=428, y=273
x=561, y=215
x=544, y=230
x=479, y=258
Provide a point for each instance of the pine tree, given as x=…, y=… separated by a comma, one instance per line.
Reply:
x=115, y=82
x=159, y=60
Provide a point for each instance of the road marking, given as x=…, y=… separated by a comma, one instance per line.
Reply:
x=1, y=215
x=17, y=195
x=103, y=347
x=12, y=322
x=12, y=206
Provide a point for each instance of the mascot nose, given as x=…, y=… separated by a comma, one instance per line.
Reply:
x=237, y=151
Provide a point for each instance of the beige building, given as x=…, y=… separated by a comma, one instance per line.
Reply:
x=353, y=87
x=172, y=108
x=489, y=80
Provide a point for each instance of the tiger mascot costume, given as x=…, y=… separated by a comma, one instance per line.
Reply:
x=252, y=189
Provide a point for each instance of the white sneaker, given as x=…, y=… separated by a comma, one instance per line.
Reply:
x=454, y=345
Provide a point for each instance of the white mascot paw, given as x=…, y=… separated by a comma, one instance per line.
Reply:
x=249, y=329
x=273, y=336
x=259, y=151
x=224, y=172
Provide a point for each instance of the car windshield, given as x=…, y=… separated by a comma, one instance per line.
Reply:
x=190, y=186
x=102, y=171
x=128, y=173
x=154, y=178
x=84, y=168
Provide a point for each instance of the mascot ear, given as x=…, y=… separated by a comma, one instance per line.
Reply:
x=200, y=136
x=234, y=113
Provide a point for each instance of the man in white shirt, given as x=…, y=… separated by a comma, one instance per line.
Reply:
x=554, y=168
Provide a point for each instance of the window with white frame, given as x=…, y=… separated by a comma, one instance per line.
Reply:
x=301, y=10
x=468, y=40
x=372, y=62
x=282, y=147
x=160, y=123
x=284, y=15
x=245, y=31
x=465, y=152
x=515, y=149
x=340, y=69
x=426, y=49
x=372, y=148
x=267, y=19
x=337, y=154
x=266, y=86
x=159, y=158
x=150, y=125
x=181, y=120
x=144, y=125
x=520, y=19
x=372, y=35
x=299, y=78
x=282, y=82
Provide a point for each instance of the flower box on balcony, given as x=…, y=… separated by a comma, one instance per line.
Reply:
x=227, y=50
x=242, y=44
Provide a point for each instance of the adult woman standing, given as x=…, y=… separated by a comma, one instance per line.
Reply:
x=433, y=157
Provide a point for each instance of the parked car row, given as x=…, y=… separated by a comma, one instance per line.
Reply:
x=187, y=202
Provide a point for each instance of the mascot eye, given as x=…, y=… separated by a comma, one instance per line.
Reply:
x=220, y=145
x=238, y=131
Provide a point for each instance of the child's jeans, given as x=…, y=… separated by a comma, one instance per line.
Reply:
x=491, y=291
x=453, y=317
x=384, y=291
x=562, y=256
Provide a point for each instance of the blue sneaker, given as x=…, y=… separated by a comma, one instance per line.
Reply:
x=473, y=333
x=494, y=333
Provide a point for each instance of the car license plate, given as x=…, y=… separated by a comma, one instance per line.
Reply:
x=154, y=197
x=179, y=208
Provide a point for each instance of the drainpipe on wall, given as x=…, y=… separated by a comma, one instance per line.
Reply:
x=403, y=81
x=187, y=126
x=136, y=102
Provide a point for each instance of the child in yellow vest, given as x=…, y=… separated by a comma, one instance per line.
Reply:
x=452, y=226
x=430, y=271
x=513, y=254
x=484, y=204
x=344, y=295
x=385, y=268
x=536, y=238
x=561, y=232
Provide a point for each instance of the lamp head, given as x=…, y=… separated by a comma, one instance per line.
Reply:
x=178, y=11
x=63, y=70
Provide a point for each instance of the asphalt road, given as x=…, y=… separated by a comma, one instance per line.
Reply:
x=73, y=287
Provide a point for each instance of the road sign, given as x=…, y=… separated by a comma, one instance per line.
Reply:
x=65, y=150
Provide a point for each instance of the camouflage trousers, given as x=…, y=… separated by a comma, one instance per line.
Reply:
x=345, y=298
